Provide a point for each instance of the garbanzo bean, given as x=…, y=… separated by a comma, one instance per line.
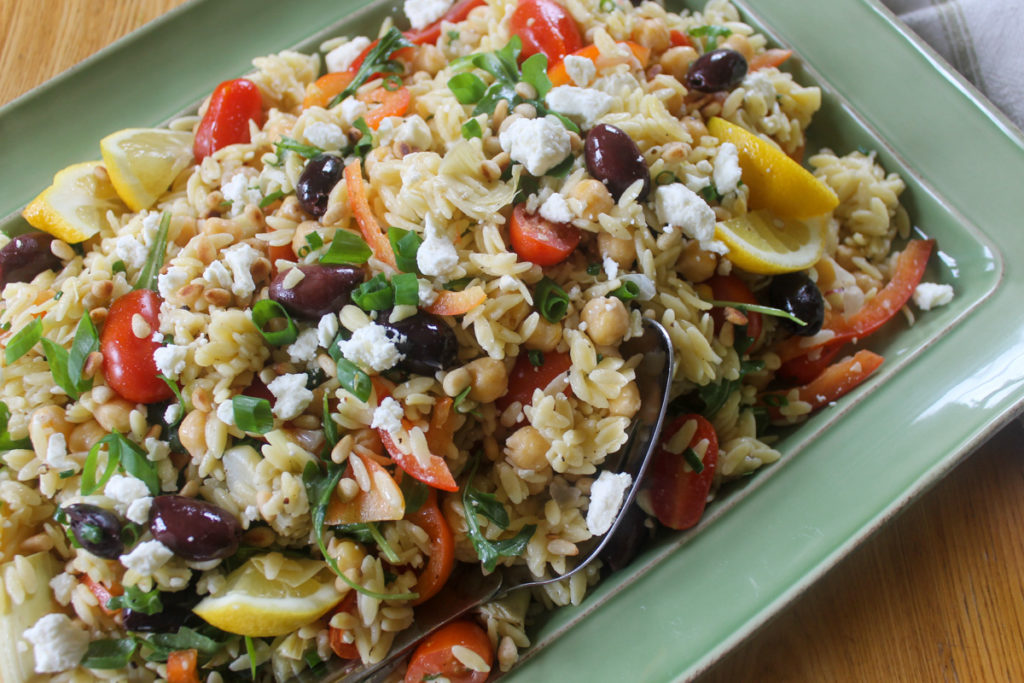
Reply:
x=618, y=249
x=527, y=449
x=489, y=379
x=607, y=320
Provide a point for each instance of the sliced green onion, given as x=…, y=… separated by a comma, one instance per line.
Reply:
x=375, y=294
x=392, y=83
x=354, y=380
x=155, y=259
x=458, y=284
x=293, y=145
x=266, y=310
x=250, y=649
x=252, y=414
x=593, y=269
x=608, y=5
x=536, y=357
x=693, y=460
x=314, y=240
x=471, y=129
x=551, y=300
x=407, y=289
x=271, y=198
x=347, y=247
x=118, y=267
x=23, y=341
x=87, y=340
x=665, y=178
x=405, y=244
x=627, y=291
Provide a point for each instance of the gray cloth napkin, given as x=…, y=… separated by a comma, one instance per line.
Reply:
x=980, y=38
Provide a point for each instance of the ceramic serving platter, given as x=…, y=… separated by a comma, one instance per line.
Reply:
x=947, y=383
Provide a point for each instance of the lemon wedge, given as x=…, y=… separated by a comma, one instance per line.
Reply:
x=762, y=243
x=75, y=206
x=143, y=162
x=271, y=595
x=776, y=182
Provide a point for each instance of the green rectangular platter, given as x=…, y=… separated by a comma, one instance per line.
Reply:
x=948, y=382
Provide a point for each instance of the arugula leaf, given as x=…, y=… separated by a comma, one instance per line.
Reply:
x=23, y=341
x=163, y=644
x=757, y=308
x=377, y=61
x=155, y=259
x=66, y=367
x=415, y=494
x=535, y=72
x=109, y=653
x=287, y=144
x=716, y=394
x=368, y=533
x=365, y=142
x=711, y=35
x=474, y=502
x=138, y=600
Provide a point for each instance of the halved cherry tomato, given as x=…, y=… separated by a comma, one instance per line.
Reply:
x=320, y=92
x=458, y=12
x=442, y=548
x=389, y=103
x=538, y=240
x=457, y=303
x=336, y=635
x=836, y=381
x=226, y=122
x=183, y=666
x=545, y=26
x=433, y=657
x=435, y=473
x=558, y=75
x=679, y=39
x=383, y=502
x=678, y=492
x=525, y=377
x=731, y=288
x=128, y=360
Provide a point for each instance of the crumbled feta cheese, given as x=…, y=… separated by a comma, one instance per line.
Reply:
x=436, y=255
x=303, y=349
x=170, y=360
x=63, y=585
x=226, y=412
x=59, y=643
x=124, y=490
x=138, y=510
x=617, y=84
x=131, y=250
x=583, y=105
x=680, y=206
x=173, y=280
x=327, y=330
x=606, y=496
x=555, y=209
x=422, y=13
x=611, y=267
x=759, y=84
x=57, y=453
x=507, y=283
x=239, y=193
x=373, y=346
x=172, y=413
x=428, y=294
x=388, y=416
x=351, y=109
x=929, y=295
x=727, y=168
x=581, y=70
x=325, y=135
x=538, y=144
x=644, y=284
x=147, y=557
x=240, y=258
x=291, y=395
x=217, y=275
x=341, y=57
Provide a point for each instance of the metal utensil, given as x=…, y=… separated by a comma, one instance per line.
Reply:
x=468, y=587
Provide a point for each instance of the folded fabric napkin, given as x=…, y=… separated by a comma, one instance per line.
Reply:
x=980, y=39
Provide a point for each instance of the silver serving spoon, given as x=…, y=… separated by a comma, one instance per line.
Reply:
x=468, y=587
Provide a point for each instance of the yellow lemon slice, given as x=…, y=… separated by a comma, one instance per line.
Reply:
x=271, y=595
x=767, y=245
x=143, y=162
x=75, y=206
x=776, y=182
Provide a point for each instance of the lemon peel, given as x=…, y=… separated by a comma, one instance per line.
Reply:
x=143, y=162
x=74, y=207
x=767, y=245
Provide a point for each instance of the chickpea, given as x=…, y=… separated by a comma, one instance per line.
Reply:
x=84, y=436
x=676, y=61
x=618, y=249
x=527, y=449
x=741, y=44
x=43, y=423
x=627, y=402
x=545, y=336
x=192, y=433
x=653, y=34
x=489, y=379
x=115, y=414
x=607, y=320
x=594, y=196
x=695, y=264
x=429, y=58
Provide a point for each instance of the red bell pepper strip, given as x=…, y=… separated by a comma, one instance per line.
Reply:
x=367, y=222
x=836, y=381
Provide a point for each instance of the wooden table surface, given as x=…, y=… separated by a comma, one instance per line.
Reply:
x=937, y=595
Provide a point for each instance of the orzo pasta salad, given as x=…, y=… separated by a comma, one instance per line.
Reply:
x=272, y=372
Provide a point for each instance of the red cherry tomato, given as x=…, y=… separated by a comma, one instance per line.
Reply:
x=336, y=635
x=128, y=360
x=545, y=26
x=434, y=658
x=442, y=548
x=538, y=240
x=731, y=288
x=525, y=377
x=226, y=121
x=678, y=492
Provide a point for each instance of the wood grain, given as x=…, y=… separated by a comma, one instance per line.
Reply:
x=937, y=595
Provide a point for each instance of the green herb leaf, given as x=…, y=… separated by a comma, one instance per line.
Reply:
x=252, y=414
x=364, y=144
x=354, y=380
x=471, y=129
x=711, y=35
x=177, y=395
x=468, y=88
x=551, y=300
x=407, y=289
x=535, y=72
x=109, y=653
x=266, y=310
x=460, y=399
x=6, y=442
x=716, y=394
x=314, y=240
x=135, y=461
x=87, y=340
x=488, y=505
x=593, y=269
x=627, y=291
x=271, y=198
x=415, y=494
x=250, y=649
x=118, y=267
x=377, y=61
x=57, y=359
x=757, y=308
x=405, y=244
x=155, y=259
x=138, y=600
x=287, y=144
x=23, y=341
x=382, y=543
x=459, y=284
x=473, y=502
x=163, y=644
x=330, y=428
x=375, y=294
x=347, y=247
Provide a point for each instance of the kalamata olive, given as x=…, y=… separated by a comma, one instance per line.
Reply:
x=716, y=70
x=797, y=295
x=176, y=610
x=96, y=529
x=324, y=289
x=25, y=256
x=429, y=343
x=193, y=528
x=321, y=174
x=614, y=159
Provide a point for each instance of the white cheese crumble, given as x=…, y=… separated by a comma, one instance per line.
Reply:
x=606, y=496
x=351, y=109
x=556, y=209
x=341, y=57
x=538, y=144
x=727, y=168
x=583, y=105
x=374, y=347
x=677, y=205
x=138, y=510
x=611, y=267
x=240, y=259
x=63, y=585
x=57, y=453
x=217, y=275
x=173, y=280
x=147, y=557
x=929, y=295
x=303, y=349
x=58, y=643
x=581, y=70
x=422, y=13
x=131, y=250
x=412, y=130
x=123, y=490
x=291, y=395
x=325, y=135
x=238, y=191
x=226, y=413
x=170, y=360
x=172, y=413
x=436, y=255
x=427, y=293
x=388, y=416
